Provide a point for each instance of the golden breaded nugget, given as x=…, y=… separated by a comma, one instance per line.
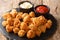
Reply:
x=48, y=24
x=9, y=28
x=6, y=15
x=25, y=14
x=32, y=14
x=38, y=32
x=30, y=34
x=10, y=21
x=36, y=21
x=21, y=33
x=32, y=27
x=17, y=22
x=15, y=30
x=4, y=23
x=27, y=19
x=24, y=26
x=13, y=13
x=42, y=28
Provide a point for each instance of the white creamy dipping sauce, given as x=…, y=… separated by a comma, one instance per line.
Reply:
x=26, y=5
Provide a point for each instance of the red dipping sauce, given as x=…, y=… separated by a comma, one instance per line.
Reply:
x=42, y=9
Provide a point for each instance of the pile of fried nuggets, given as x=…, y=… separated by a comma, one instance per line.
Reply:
x=25, y=24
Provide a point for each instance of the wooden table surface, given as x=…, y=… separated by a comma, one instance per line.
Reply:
x=6, y=5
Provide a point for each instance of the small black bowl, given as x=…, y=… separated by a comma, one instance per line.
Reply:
x=38, y=13
x=26, y=10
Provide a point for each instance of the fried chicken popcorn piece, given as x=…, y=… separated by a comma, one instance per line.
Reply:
x=21, y=33
x=42, y=19
x=48, y=24
x=24, y=26
x=9, y=28
x=36, y=21
x=42, y=28
x=19, y=15
x=30, y=34
x=4, y=23
x=15, y=30
x=38, y=32
x=10, y=21
x=17, y=22
x=13, y=13
x=32, y=27
x=6, y=15
x=27, y=19
x=32, y=14
x=25, y=14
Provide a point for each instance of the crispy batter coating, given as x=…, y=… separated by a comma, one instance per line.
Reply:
x=32, y=27
x=10, y=21
x=9, y=28
x=15, y=30
x=27, y=19
x=19, y=15
x=36, y=21
x=6, y=15
x=48, y=24
x=25, y=14
x=30, y=34
x=4, y=23
x=42, y=28
x=24, y=26
x=38, y=32
x=32, y=14
x=17, y=22
x=42, y=19
x=13, y=13
x=21, y=33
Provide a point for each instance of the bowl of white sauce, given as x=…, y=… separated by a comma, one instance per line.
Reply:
x=26, y=6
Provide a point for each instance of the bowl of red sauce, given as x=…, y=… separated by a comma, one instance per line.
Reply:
x=42, y=9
